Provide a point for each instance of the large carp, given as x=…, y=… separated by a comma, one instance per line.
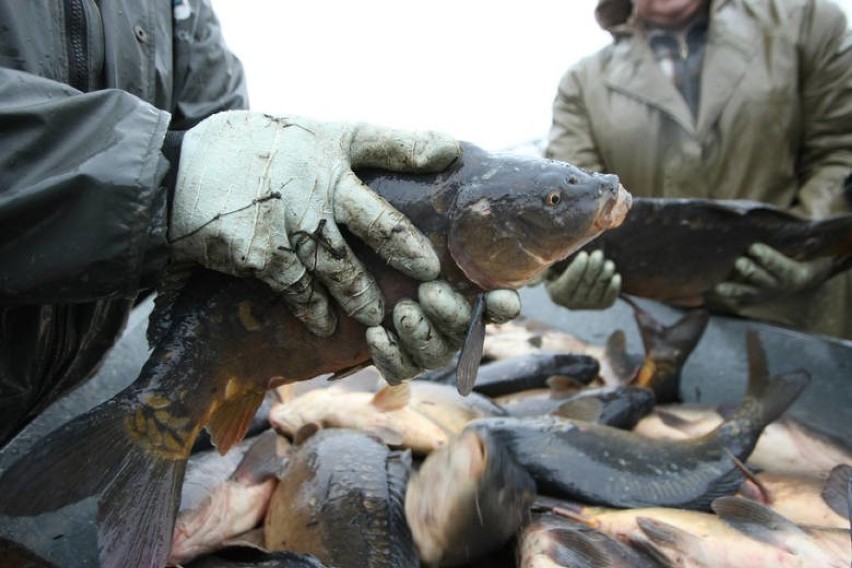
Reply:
x=676, y=250
x=220, y=342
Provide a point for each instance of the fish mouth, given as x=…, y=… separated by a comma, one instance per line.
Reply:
x=614, y=211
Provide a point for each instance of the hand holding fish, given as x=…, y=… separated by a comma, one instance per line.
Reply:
x=764, y=273
x=590, y=282
x=262, y=196
x=428, y=333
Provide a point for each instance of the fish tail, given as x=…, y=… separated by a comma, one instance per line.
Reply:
x=103, y=454
x=840, y=229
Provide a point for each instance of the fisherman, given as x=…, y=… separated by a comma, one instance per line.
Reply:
x=719, y=99
x=112, y=169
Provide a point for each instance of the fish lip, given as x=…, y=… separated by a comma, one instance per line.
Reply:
x=614, y=211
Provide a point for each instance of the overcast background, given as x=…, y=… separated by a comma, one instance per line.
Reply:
x=483, y=71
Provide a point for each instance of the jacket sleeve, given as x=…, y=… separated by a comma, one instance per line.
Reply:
x=826, y=152
x=81, y=208
x=208, y=77
x=571, y=138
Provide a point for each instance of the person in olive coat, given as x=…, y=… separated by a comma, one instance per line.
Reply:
x=720, y=99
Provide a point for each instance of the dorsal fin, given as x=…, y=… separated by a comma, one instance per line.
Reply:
x=392, y=397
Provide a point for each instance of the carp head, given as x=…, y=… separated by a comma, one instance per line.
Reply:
x=522, y=214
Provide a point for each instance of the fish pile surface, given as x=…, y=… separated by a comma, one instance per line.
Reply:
x=219, y=343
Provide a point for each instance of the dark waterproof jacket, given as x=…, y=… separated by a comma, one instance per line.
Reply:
x=88, y=90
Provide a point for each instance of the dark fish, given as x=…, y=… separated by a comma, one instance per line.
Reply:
x=667, y=347
x=675, y=250
x=341, y=499
x=619, y=407
x=522, y=372
x=603, y=465
x=551, y=540
x=220, y=342
x=468, y=499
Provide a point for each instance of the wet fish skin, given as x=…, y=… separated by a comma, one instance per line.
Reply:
x=220, y=342
x=467, y=499
x=620, y=406
x=507, y=376
x=787, y=445
x=603, y=465
x=551, y=540
x=698, y=240
x=341, y=499
x=232, y=507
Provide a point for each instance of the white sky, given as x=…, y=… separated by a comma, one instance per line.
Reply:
x=484, y=71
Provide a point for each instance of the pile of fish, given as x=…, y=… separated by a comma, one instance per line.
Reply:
x=554, y=459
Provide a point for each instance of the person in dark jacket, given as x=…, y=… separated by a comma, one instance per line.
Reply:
x=125, y=146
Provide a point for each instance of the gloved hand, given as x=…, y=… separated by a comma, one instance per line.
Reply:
x=764, y=273
x=589, y=283
x=429, y=333
x=262, y=196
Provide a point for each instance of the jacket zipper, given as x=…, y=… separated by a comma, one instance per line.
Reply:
x=76, y=44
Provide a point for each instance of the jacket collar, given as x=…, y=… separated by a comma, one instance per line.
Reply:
x=731, y=42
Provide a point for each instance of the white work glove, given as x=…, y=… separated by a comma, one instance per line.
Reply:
x=262, y=196
x=428, y=334
x=763, y=273
x=590, y=282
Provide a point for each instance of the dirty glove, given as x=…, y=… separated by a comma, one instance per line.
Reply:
x=262, y=196
x=589, y=283
x=764, y=273
x=428, y=334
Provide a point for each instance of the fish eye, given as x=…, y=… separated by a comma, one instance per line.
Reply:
x=553, y=198
x=573, y=180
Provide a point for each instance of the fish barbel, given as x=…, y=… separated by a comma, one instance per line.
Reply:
x=220, y=342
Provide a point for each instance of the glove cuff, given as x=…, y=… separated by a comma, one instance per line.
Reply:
x=171, y=151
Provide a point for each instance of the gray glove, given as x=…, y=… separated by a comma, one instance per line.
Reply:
x=589, y=283
x=764, y=273
x=262, y=196
x=429, y=333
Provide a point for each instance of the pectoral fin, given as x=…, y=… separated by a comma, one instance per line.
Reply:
x=471, y=352
x=231, y=420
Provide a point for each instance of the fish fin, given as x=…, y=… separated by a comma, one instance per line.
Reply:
x=570, y=547
x=471, y=351
x=562, y=385
x=615, y=352
x=650, y=329
x=836, y=491
x=232, y=419
x=254, y=539
x=756, y=521
x=306, y=431
x=261, y=461
x=686, y=332
x=672, y=420
x=392, y=397
x=138, y=487
x=587, y=409
x=285, y=393
x=664, y=534
x=647, y=549
x=761, y=493
x=775, y=394
x=575, y=513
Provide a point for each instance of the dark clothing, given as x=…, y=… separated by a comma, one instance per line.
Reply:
x=88, y=91
x=680, y=57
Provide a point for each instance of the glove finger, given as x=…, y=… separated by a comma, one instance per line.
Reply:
x=755, y=274
x=307, y=301
x=388, y=357
x=387, y=231
x=326, y=254
x=735, y=291
x=594, y=269
x=609, y=293
x=402, y=150
x=502, y=305
x=421, y=341
x=563, y=289
x=790, y=273
x=446, y=309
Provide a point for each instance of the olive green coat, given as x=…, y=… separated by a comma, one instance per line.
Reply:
x=774, y=122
